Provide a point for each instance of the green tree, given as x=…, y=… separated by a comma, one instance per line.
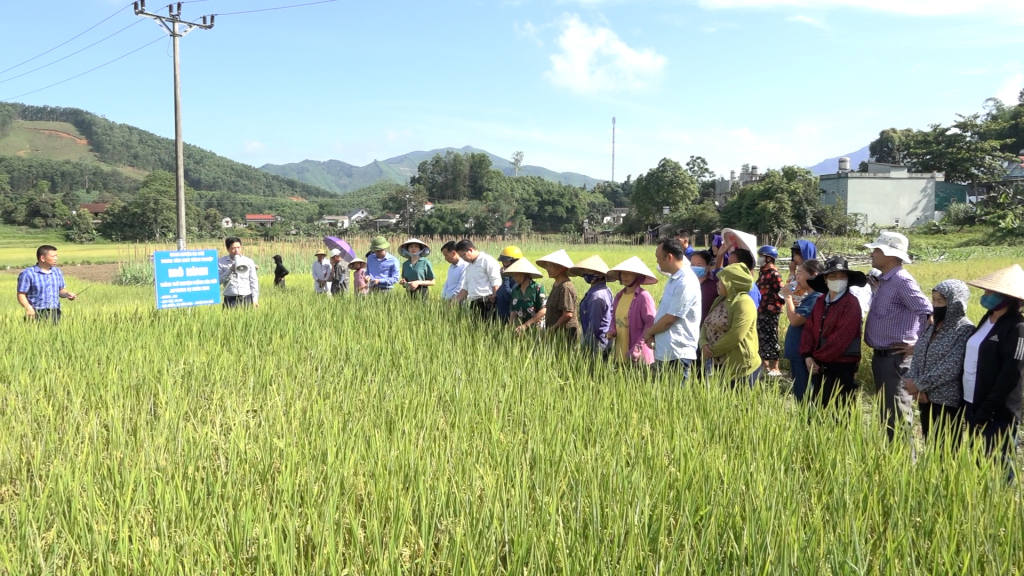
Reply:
x=702, y=216
x=697, y=167
x=666, y=185
x=960, y=151
x=79, y=228
x=892, y=146
x=782, y=202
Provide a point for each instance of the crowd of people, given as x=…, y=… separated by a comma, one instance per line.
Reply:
x=714, y=318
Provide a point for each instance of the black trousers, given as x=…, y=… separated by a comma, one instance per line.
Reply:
x=939, y=421
x=998, y=435
x=484, y=307
x=237, y=301
x=51, y=315
x=835, y=385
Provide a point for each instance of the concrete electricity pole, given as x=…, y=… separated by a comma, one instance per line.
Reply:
x=177, y=28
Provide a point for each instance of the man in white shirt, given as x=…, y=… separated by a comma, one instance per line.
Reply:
x=238, y=277
x=456, y=272
x=676, y=326
x=482, y=280
x=321, y=272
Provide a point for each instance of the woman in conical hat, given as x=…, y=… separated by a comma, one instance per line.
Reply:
x=528, y=304
x=359, y=278
x=562, y=305
x=632, y=312
x=596, y=306
x=994, y=363
x=417, y=272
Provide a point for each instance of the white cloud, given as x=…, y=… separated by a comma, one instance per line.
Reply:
x=913, y=7
x=1010, y=90
x=529, y=31
x=808, y=20
x=255, y=147
x=594, y=59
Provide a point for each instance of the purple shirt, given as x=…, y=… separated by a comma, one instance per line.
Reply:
x=899, y=311
x=596, y=316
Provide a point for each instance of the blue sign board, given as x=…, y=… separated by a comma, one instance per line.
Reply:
x=185, y=279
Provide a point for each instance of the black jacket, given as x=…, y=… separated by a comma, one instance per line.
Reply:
x=998, y=390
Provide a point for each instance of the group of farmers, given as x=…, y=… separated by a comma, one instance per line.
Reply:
x=714, y=318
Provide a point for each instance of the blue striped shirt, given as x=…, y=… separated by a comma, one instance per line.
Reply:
x=41, y=288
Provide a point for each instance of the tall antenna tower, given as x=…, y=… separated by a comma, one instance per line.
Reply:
x=613, y=148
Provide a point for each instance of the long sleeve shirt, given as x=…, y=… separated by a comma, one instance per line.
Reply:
x=453, y=283
x=832, y=332
x=321, y=274
x=503, y=300
x=384, y=270
x=596, y=316
x=239, y=283
x=899, y=311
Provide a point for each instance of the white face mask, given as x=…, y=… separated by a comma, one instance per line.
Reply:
x=761, y=261
x=662, y=272
x=837, y=286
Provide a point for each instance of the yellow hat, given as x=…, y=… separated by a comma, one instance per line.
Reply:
x=511, y=253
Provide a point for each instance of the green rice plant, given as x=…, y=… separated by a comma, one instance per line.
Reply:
x=379, y=434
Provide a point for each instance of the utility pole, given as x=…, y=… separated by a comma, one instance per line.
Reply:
x=613, y=149
x=177, y=28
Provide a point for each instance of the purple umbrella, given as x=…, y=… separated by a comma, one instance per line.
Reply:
x=333, y=242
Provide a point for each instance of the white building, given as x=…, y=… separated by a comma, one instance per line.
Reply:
x=226, y=222
x=616, y=217
x=336, y=221
x=357, y=215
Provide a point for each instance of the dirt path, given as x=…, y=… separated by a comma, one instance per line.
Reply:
x=60, y=134
x=90, y=272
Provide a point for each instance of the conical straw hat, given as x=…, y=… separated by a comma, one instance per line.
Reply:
x=355, y=260
x=522, y=266
x=423, y=253
x=592, y=265
x=741, y=239
x=1008, y=281
x=560, y=258
x=636, y=266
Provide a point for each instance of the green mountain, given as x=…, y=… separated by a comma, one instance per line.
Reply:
x=74, y=149
x=341, y=177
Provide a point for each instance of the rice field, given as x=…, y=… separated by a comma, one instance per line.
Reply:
x=380, y=435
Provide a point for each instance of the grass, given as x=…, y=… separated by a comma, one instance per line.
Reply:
x=380, y=435
x=51, y=140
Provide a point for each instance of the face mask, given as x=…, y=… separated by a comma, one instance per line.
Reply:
x=589, y=278
x=837, y=286
x=662, y=272
x=700, y=272
x=939, y=314
x=992, y=301
x=761, y=261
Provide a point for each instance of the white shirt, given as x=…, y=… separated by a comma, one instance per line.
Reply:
x=321, y=273
x=971, y=359
x=482, y=275
x=682, y=299
x=239, y=283
x=453, y=284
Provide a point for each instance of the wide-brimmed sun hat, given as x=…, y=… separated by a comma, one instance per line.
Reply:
x=522, y=266
x=559, y=257
x=593, y=265
x=320, y=252
x=892, y=244
x=379, y=243
x=357, y=260
x=636, y=266
x=1008, y=282
x=740, y=239
x=423, y=252
x=837, y=264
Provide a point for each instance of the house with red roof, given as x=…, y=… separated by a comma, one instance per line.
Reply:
x=265, y=220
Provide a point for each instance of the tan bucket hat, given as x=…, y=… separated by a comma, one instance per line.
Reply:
x=321, y=252
x=1008, y=282
x=522, y=266
x=636, y=266
x=741, y=239
x=560, y=258
x=592, y=265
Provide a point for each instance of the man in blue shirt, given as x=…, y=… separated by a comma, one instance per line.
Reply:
x=41, y=287
x=381, y=268
x=456, y=272
x=676, y=326
x=684, y=238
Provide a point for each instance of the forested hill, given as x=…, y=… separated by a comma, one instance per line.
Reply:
x=127, y=147
x=342, y=177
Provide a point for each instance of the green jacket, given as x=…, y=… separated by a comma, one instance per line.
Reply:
x=739, y=345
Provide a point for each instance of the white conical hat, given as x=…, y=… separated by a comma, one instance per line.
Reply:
x=636, y=266
x=1008, y=281
x=560, y=258
x=592, y=265
x=423, y=253
x=355, y=260
x=522, y=266
x=741, y=239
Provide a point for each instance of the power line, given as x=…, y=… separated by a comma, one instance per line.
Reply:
x=275, y=8
x=119, y=10
x=72, y=54
x=86, y=72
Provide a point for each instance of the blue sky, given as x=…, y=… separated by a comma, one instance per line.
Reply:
x=766, y=82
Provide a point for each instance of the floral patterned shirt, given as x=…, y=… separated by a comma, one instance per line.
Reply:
x=769, y=283
x=526, y=304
